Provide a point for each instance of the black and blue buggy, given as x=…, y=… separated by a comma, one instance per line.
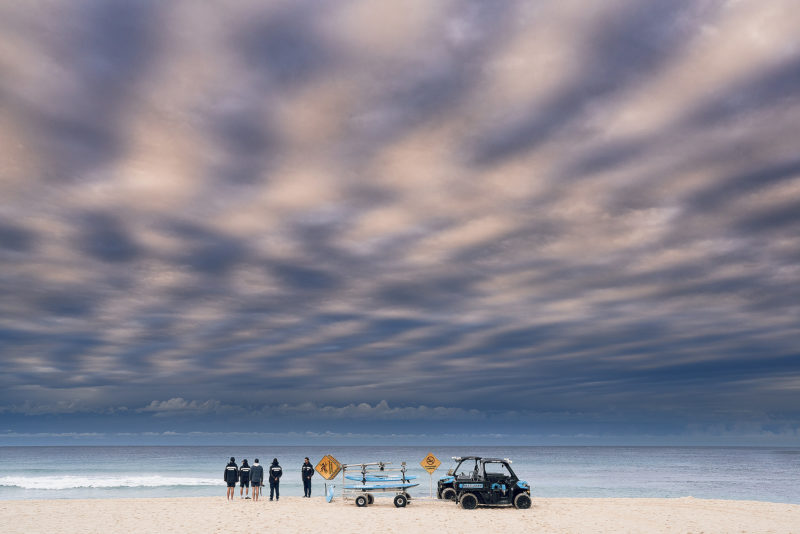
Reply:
x=484, y=481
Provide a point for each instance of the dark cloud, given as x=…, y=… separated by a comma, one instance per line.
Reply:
x=107, y=238
x=767, y=89
x=206, y=251
x=16, y=238
x=403, y=93
x=783, y=217
x=263, y=216
x=624, y=48
x=434, y=293
x=284, y=46
x=244, y=135
x=104, y=49
x=749, y=182
x=304, y=278
x=251, y=147
x=66, y=302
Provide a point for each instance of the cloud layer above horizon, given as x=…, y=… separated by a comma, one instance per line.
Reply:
x=484, y=207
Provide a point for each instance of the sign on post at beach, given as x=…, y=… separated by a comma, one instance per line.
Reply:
x=430, y=463
x=328, y=467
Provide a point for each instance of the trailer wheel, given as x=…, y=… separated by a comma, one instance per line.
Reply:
x=407, y=495
x=370, y=498
x=522, y=501
x=400, y=500
x=469, y=501
x=361, y=501
x=449, y=494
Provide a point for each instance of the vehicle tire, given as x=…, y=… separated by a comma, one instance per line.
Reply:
x=522, y=501
x=407, y=495
x=400, y=500
x=361, y=501
x=468, y=501
x=370, y=498
x=449, y=494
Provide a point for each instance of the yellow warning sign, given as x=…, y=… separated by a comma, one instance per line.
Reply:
x=430, y=463
x=328, y=467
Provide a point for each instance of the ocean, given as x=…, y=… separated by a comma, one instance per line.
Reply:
x=761, y=474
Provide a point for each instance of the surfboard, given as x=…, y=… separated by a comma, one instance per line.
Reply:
x=329, y=493
x=386, y=485
x=379, y=478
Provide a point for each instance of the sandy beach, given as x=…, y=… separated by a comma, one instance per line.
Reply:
x=295, y=514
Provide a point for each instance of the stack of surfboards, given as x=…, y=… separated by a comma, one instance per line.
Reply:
x=382, y=482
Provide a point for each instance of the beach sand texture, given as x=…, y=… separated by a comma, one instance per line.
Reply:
x=298, y=515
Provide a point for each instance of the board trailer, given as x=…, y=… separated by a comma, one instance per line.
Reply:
x=364, y=482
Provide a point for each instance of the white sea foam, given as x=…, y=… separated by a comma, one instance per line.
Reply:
x=121, y=481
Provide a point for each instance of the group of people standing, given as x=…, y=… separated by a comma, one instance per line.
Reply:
x=247, y=475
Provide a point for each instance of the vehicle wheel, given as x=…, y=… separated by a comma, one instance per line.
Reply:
x=370, y=498
x=361, y=501
x=449, y=494
x=407, y=495
x=469, y=501
x=400, y=500
x=522, y=501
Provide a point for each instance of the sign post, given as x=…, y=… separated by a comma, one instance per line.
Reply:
x=328, y=468
x=430, y=464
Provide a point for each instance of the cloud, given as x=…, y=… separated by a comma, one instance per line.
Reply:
x=379, y=411
x=179, y=406
x=59, y=408
x=530, y=209
x=16, y=238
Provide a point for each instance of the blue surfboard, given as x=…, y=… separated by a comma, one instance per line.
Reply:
x=329, y=493
x=385, y=485
x=379, y=478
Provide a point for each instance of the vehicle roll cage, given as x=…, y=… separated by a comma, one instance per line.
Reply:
x=482, y=461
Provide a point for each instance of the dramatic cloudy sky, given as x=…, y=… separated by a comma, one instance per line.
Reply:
x=564, y=220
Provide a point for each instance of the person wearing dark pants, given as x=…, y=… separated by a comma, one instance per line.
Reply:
x=306, y=472
x=231, y=476
x=275, y=473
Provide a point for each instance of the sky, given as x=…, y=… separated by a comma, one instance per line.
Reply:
x=530, y=222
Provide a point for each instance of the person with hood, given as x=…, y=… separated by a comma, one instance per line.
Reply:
x=244, y=479
x=230, y=476
x=275, y=473
x=306, y=472
x=256, y=478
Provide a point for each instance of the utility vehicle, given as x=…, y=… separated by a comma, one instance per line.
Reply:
x=486, y=481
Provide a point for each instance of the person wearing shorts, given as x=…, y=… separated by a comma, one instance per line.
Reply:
x=244, y=480
x=230, y=476
x=256, y=479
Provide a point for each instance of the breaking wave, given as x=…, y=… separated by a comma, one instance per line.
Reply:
x=120, y=481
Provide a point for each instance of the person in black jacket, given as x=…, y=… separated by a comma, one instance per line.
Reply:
x=306, y=472
x=244, y=479
x=231, y=475
x=275, y=473
x=256, y=478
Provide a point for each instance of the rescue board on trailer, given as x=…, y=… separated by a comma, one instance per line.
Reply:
x=384, y=486
x=379, y=478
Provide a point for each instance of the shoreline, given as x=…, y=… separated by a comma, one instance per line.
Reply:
x=296, y=514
